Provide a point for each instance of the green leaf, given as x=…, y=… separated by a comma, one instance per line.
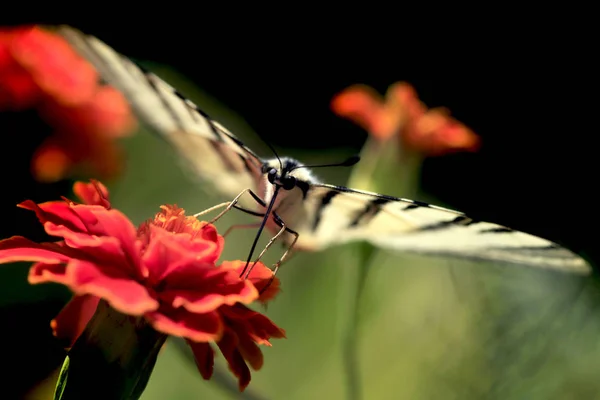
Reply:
x=62, y=379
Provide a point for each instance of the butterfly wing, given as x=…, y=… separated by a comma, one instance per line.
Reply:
x=328, y=214
x=334, y=215
x=214, y=154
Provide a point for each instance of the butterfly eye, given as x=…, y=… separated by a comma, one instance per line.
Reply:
x=272, y=175
x=289, y=182
x=265, y=168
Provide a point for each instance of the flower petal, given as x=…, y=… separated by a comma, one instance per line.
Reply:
x=209, y=232
x=89, y=219
x=102, y=249
x=251, y=323
x=167, y=252
x=438, y=133
x=40, y=70
x=361, y=104
x=44, y=272
x=196, y=327
x=107, y=114
x=57, y=212
x=87, y=226
x=261, y=276
x=201, y=291
x=204, y=356
x=113, y=223
x=73, y=318
x=251, y=352
x=18, y=248
x=100, y=221
x=112, y=284
x=18, y=91
x=84, y=139
x=55, y=65
x=173, y=219
x=237, y=365
x=263, y=328
x=92, y=193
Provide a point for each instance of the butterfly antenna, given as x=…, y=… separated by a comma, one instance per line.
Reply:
x=274, y=152
x=350, y=161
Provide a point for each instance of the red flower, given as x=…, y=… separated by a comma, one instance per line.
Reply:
x=39, y=70
x=430, y=131
x=164, y=271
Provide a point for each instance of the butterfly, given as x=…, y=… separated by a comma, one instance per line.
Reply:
x=295, y=206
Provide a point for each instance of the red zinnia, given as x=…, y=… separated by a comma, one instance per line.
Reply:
x=39, y=70
x=429, y=131
x=163, y=271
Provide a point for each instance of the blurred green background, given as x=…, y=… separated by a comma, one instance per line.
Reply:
x=427, y=328
x=422, y=328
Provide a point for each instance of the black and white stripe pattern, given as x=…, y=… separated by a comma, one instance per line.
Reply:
x=205, y=144
x=341, y=215
x=323, y=215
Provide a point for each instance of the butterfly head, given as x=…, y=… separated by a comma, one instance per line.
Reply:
x=286, y=174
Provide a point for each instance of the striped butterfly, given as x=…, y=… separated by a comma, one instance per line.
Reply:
x=304, y=212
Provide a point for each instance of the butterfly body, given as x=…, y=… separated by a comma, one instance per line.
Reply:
x=321, y=214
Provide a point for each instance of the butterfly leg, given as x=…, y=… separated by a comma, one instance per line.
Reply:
x=240, y=226
x=281, y=260
x=283, y=229
x=285, y=255
x=278, y=220
x=228, y=206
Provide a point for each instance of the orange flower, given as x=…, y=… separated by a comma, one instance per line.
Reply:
x=165, y=272
x=429, y=131
x=39, y=70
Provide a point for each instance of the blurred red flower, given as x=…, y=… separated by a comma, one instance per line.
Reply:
x=164, y=271
x=429, y=131
x=39, y=70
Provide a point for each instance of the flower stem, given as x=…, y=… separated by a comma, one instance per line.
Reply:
x=112, y=359
x=350, y=353
x=385, y=168
x=362, y=174
x=388, y=168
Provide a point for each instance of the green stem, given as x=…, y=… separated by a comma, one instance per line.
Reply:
x=350, y=353
x=384, y=168
x=387, y=168
x=362, y=174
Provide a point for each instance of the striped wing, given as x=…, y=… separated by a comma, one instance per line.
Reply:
x=215, y=155
x=329, y=214
x=334, y=215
